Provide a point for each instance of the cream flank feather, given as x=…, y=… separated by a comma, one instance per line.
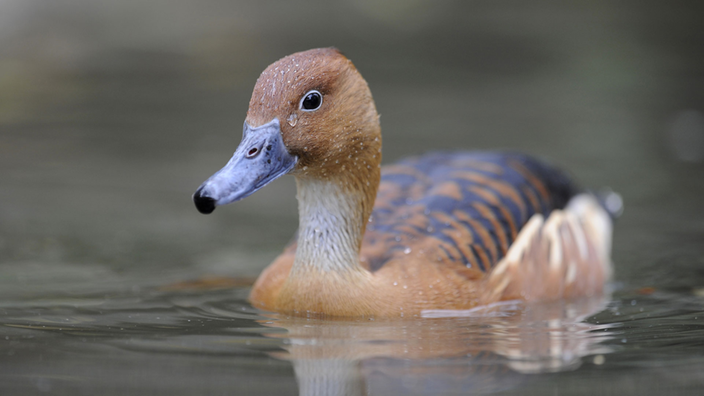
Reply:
x=548, y=256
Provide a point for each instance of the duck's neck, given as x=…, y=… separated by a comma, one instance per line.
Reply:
x=333, y=216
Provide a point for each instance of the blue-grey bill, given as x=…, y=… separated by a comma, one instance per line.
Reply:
x=260, y=158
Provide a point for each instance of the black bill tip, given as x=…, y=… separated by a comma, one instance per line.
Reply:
x=205, y=205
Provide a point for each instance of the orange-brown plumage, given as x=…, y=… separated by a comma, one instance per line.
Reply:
x=448, y=231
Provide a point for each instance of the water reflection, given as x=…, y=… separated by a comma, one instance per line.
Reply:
x=487, y=351
x=177, y=341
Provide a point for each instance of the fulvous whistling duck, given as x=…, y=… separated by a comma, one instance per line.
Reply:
x=445, y=231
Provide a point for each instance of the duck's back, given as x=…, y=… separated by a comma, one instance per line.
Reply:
x=463, y=208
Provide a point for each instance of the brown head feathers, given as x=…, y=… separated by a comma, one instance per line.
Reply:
x=342, y=133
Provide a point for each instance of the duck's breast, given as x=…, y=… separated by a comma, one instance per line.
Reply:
x=459, y=208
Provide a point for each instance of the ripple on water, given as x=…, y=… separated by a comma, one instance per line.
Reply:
x=503, y=348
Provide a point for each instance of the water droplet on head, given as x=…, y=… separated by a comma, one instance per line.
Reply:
x=292, y=119
x=407, y=250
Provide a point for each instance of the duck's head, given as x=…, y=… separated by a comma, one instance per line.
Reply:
x=312, y=115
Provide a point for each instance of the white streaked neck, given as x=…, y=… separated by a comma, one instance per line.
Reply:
x=331, y=226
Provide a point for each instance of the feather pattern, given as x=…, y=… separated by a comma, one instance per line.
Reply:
x=472, y=204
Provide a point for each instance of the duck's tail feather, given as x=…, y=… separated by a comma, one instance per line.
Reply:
x=567, y=255
x=611, y=201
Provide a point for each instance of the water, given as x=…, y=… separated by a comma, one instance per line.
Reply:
x=148, y=340
x=111, y=115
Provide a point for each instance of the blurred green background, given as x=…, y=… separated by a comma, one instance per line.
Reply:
x=112, y=114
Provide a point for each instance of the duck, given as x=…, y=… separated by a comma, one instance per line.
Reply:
x=445, y=231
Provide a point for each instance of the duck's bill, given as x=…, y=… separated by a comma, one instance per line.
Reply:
x=260, y=158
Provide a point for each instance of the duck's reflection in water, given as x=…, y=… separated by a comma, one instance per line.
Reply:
x=473, y=351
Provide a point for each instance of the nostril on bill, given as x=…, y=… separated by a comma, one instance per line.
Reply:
x=205, y=205
x=254, y=151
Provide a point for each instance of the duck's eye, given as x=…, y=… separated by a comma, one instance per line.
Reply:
x=311, y=101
